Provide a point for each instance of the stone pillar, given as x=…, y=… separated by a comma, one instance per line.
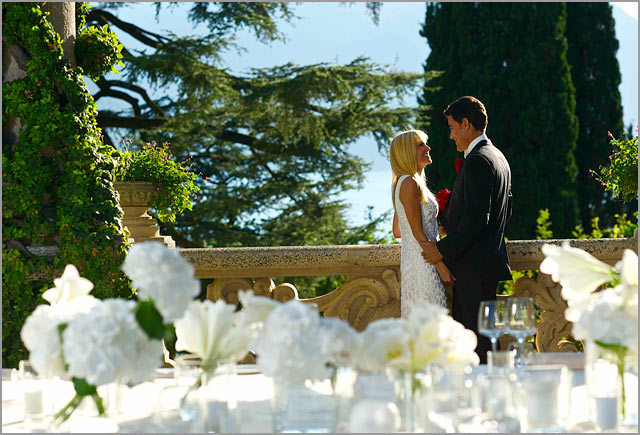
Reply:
x=63, y=18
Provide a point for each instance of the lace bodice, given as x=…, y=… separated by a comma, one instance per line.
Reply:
x=419, y=279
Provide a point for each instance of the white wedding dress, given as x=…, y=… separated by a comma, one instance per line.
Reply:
x=420, y=280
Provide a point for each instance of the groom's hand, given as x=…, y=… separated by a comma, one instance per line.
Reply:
x=430, y=252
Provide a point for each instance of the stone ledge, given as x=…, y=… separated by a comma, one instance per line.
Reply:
x=349, y=259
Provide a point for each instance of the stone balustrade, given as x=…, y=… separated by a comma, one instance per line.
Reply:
x=372, y=288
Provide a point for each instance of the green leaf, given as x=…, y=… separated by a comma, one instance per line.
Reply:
x=617, y=348
x=150, y=319
x=83, y=388
x=169, y=333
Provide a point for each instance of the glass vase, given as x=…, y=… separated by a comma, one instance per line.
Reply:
x=408, y=388
x=210, y=387
x=307, y=406
x=217, y=396
x=606, y=370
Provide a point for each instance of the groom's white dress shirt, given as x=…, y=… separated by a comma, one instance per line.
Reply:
x=474, y=143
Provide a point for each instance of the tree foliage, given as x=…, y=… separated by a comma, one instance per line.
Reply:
x=513, y=58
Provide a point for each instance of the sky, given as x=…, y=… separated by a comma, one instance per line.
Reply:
x=338, y=33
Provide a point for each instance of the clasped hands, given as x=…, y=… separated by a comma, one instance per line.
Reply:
x=433, y=256
x=430, y=252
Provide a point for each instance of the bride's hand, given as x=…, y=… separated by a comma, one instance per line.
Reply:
x=444, y=272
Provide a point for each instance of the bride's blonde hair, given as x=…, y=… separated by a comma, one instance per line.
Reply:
x=404, y=161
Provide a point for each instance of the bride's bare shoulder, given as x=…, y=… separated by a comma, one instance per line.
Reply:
x=409, y=183
x=408, y=189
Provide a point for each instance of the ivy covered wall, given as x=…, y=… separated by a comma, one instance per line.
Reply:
x=58, y=202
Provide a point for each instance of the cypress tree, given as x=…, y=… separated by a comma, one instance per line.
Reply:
x=596, y=76
x=513, y=58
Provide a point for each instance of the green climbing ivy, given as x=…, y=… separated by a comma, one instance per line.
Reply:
x=57, y=179
x=97, y=49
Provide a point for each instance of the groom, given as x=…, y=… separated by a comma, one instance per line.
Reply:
x=479, y=207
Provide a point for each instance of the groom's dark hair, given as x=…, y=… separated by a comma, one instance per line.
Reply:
x=470, y=108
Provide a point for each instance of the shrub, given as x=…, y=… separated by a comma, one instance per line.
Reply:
x=174, y=181
x=621, y=176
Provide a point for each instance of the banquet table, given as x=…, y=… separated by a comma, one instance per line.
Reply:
x=247, y=395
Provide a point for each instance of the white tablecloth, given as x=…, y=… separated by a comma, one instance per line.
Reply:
x=248, y=396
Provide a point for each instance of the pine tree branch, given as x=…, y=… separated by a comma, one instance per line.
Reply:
x=132, y=122
x=148, y=38
x=102, y=83
x=120, y=95
x=233, y=136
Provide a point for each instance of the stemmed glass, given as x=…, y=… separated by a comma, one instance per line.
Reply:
x=521, y=322
x=492, y=321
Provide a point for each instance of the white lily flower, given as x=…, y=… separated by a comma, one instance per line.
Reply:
x=577, y=271
x=383, y=341
x=255, y=309
x=68, y=287
x=207, y=329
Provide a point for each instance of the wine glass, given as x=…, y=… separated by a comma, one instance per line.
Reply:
x=521, y=322
x=492, y=321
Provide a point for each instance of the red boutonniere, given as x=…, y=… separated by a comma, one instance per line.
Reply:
x=459, y=163
x=442, y=198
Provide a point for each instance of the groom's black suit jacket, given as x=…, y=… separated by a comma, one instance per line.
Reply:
x=475, y=217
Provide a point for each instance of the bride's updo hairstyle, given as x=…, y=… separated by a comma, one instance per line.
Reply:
x=404, y=162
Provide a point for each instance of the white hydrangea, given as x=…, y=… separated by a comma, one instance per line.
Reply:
x=610, y=318
x=162, y=275
x=106, y=344
x=288, y=344
x=68, y=287
x=209, y=330
x=628, y=270
x=338, y=342
x=41, y=336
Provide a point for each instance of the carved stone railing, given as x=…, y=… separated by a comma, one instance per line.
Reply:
x=372, y=288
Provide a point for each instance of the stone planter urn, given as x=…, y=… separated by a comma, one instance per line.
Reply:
x=134, y=200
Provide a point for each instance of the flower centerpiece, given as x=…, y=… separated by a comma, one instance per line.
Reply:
x=607, y=319
x=406, y=347
x=96, y=342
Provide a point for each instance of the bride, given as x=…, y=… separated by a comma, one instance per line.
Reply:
x=415, y=221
